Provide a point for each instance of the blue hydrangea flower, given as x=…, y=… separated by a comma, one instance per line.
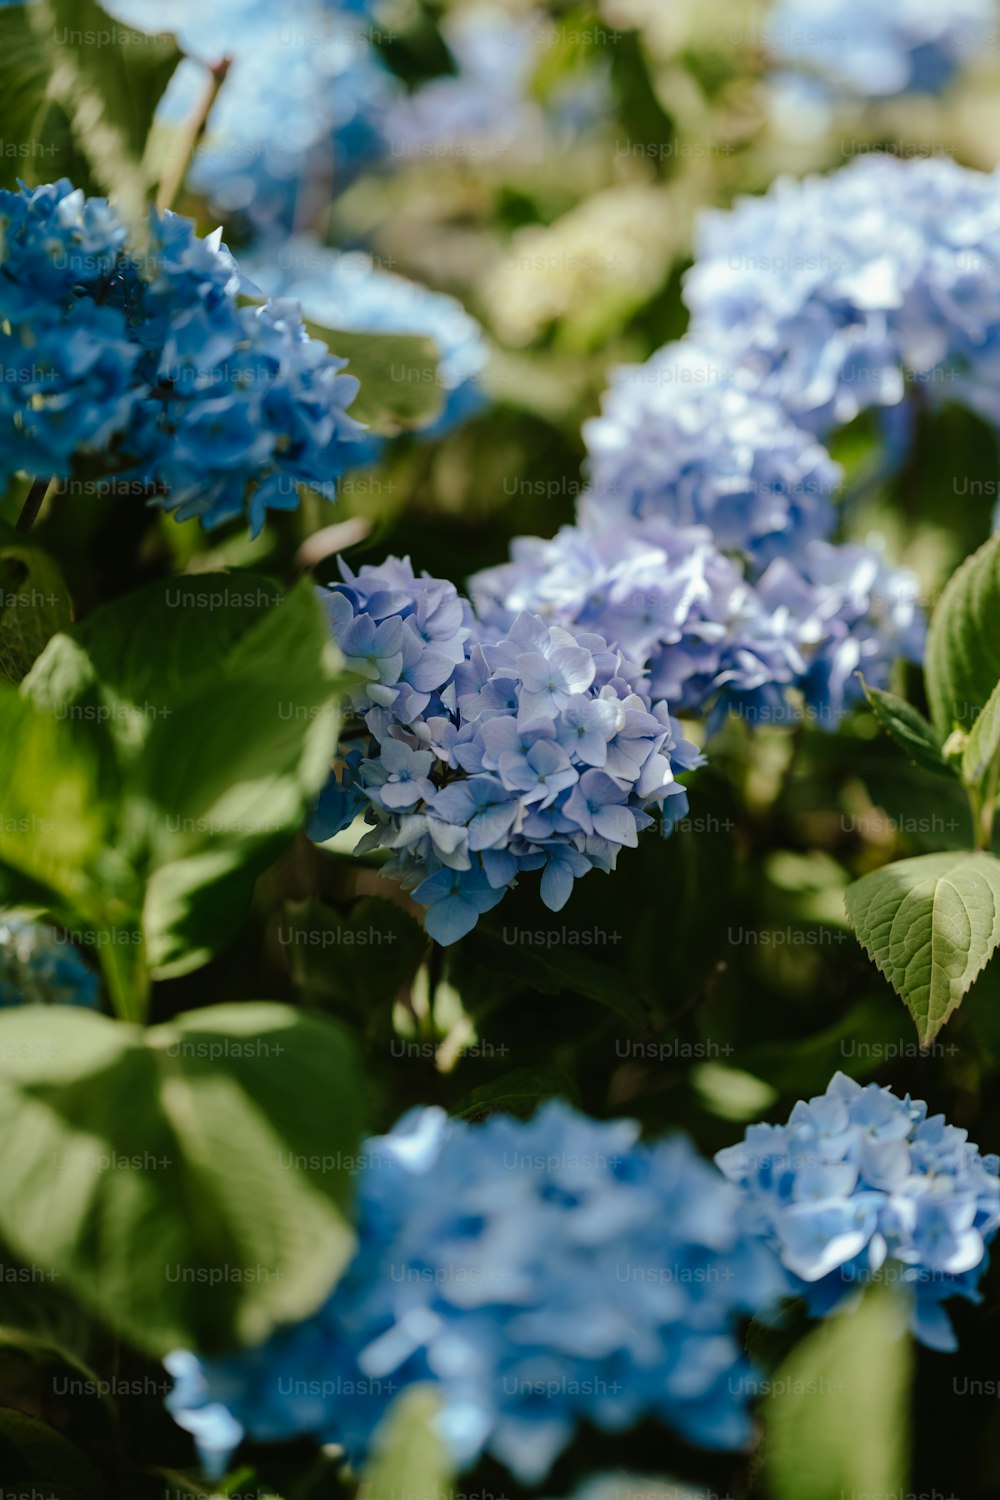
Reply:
x=37, y=967
x=153, y=368
x=491, y=753
x=902, y=47
x=347, y=290
x=841, y=293
x=715, y=634
x=679, y=437
x=303, y=107
x=861, y=1185
x=540, y=1273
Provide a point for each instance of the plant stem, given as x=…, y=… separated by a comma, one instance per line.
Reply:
x=172, y=181
x=984, y=805
x=40, y=491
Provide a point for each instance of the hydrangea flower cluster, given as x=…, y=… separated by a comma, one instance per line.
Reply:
x=700, y=551
x=857, y=290
x=148, y=367
x=485, y=755
x=680, y=437
x=350, y=291
x=38, y=968
x=540, y=1273
x=861, y=1185
x=903, y=47
x=716, y=640
x=303, y=108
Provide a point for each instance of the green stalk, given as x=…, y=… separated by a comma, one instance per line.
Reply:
x=41, y=490
x=173, y=181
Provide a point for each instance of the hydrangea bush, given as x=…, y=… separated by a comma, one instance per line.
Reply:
x=314, y=1042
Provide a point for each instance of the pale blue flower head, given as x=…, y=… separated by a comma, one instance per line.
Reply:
x=539, y=1273
x=861, y=1186
x=842, y=293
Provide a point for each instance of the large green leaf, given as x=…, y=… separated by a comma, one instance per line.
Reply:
x=54, y=827
x=398, y=372
x=108, y=80
x=908, y=728
x=962, y=664
x=137, y=655
x=27, y=116
x=222, y=699
x=228, y=776
x=931, y=925
x=190, y=1183
x=837, y=1416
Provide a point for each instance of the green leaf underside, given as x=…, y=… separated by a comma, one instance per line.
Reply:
x=962, y=662
x=908, y=728
x=983, y=745
x=931, y=925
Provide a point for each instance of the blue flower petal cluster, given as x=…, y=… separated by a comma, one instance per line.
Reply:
x=488, y=754
x=861, y=1185
x=715, y=639
x=149, y=366
x=303, y=108
x=874, y=286
x=680, y=437
x=37, y=967
x=902, y=47
x=349, y=291
x=540, y=1273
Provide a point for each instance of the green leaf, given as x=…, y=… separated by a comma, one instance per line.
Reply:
x=962, y=664
x=410, y=1456
x=983, y=744
x=34, y=602
x=108, y=79
x=190, y=1183
x=38, y=126
x=222, y=700
x=53, y=824
x=931, y=925
x=837, y=1416
x=400, y=390
x=137, y=655
x=908, y=728
x=228, y=777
